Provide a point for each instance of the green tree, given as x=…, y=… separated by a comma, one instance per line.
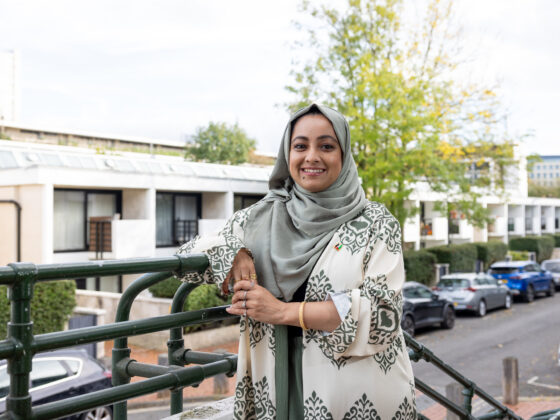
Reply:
x=221, y=143
x=410, y=120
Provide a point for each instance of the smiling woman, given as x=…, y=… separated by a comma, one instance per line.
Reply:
x=317, y=272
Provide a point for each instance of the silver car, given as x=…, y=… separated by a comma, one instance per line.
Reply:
x=554, y=267
x=476, y=292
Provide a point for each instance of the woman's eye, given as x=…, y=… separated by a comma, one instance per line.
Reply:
x=328, y=146
x=299, y=146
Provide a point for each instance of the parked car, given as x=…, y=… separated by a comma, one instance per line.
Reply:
x=61, y=374
x=553, y=266
x=422, y=307
x=476, y=292
x=524, y=278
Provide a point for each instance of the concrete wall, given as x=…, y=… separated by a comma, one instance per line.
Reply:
x=217, y=205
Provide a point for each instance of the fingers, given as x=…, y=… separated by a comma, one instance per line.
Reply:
x=243, y=285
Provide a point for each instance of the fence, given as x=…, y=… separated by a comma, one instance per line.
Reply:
x=21, y=344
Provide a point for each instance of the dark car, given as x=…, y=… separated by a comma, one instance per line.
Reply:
x=62, y=374
x=524, y=278
x=422, y=307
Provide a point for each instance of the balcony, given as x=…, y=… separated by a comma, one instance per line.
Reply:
x=498, y=227
x=433, y=228
x=114, y=239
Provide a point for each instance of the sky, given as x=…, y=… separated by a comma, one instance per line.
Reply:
x=162, y=69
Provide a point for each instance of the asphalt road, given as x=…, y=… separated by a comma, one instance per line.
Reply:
x=477, y=346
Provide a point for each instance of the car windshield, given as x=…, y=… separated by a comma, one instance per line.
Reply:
x=453, y=283
x=503, y=270
x=552, y=266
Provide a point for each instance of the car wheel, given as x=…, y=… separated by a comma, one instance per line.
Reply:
x=408, y=325
x=529, y=294
x=99, y=413
x=507, y=303
x=448, y=319
x=481, y=311
x=551, y=289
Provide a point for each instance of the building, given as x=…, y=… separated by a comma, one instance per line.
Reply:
x=9, y=86
x=547, y=172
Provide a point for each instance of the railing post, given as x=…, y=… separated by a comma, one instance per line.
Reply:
x=20, y=329
x=177, y=343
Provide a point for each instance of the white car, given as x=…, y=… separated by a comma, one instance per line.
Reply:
x=554, y=267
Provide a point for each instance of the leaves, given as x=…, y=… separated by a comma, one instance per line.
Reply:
x=221, y=143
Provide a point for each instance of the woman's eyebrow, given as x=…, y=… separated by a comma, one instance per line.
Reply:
x=322, y=137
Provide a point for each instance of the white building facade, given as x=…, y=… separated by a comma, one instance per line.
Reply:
x=547, y=172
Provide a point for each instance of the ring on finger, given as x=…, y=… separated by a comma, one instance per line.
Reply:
x=244, y=304
x=245, y=295
x=253, y=276
x=245, y=312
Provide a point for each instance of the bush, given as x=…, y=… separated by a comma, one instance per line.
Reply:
x=51, y=306
x=490, y=252
x=165, y=288
x=419, y=266
x=556, y=238
x=519, y=255
x=461, y=258
x=541, y=245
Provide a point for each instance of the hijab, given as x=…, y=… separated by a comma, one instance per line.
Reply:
x=288, y=230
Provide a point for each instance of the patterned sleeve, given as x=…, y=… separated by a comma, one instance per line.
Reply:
x=220, y=249
x=373, y=321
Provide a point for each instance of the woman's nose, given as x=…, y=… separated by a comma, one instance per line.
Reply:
x=312, y=155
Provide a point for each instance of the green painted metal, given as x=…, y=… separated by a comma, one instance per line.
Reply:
x=21, y=344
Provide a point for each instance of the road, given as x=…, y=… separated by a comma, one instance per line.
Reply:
x=477, y=346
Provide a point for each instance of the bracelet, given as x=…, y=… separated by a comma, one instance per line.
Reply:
x=301, y=322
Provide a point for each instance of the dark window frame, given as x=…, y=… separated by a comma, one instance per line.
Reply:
x=118, y=202
x=198, y=197
x=244, y=197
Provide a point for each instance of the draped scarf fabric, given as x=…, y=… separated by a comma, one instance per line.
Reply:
x=288, y=230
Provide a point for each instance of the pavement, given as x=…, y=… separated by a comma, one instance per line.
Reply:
x=525, y=408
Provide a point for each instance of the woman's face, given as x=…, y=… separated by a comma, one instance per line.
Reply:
x=315, y=154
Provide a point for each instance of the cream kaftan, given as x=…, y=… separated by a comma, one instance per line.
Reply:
x=359, y=371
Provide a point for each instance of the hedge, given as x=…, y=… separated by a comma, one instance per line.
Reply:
x=541, y=245
x=490, y=252
x=51, y=306
x=556, y=238
x=419, y=266
x=461, y=258
x=519, y=255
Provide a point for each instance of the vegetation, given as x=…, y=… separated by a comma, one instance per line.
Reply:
x=519, y=255
x=51, y=306
x=411, y=118
x=420, y=266
x=541, y=245
x=536, y=190
x=490, y=252
x=461, y=258
x=220, y=143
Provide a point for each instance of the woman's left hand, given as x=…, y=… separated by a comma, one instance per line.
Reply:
x=255, y=301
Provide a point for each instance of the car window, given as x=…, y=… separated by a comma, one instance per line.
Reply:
x=4, y=382
x=410, y=292
x=455, y=283
x=46, y=371
x=424, y=293
x=503, y=270
x=491, y=281
x=480, y=281
x=73, y=365
x=532, y=267
x=552, y=266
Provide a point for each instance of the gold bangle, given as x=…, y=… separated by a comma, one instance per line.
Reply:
x=301, y=322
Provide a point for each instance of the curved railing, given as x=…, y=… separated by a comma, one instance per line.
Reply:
x=21, y=344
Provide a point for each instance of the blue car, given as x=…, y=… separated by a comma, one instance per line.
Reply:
x=524, y=278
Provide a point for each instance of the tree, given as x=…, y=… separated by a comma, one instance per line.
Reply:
x=410, y=120
x=221, y=143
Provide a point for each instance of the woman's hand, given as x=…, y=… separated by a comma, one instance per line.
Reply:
x=255, y=301
x=242, y=268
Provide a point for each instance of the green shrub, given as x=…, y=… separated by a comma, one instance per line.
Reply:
x=490, y=252
x=165, y=288
x=51, y=306
x=556, y=238
x=519, y=255
x=541, y=245
x=461, y=258
x=419, y=266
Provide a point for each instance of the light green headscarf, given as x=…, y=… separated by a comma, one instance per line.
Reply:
x=288, y=230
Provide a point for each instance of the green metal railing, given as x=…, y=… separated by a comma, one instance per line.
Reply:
x=21, y=344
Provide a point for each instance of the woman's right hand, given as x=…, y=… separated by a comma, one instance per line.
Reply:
x=243, y=268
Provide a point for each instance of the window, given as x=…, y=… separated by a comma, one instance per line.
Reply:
x=72, y=210
x=46, y=371
x=176, y=218
x=511, y=224
x=104, y=284
x=241, y=201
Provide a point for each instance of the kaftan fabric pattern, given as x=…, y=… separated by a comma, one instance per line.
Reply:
x=359, y=371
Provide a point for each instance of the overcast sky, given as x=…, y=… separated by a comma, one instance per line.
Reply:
x=161, y=69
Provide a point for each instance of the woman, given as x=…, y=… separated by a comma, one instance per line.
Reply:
x=317, y=272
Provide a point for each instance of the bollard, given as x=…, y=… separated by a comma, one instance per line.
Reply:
x=510, y=380
x=454, y=392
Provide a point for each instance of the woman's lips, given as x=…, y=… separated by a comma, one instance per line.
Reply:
x=312, y=171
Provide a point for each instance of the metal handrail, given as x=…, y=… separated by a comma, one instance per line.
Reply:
x=21, y=344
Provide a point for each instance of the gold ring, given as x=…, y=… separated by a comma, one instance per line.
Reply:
x=253, y=276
